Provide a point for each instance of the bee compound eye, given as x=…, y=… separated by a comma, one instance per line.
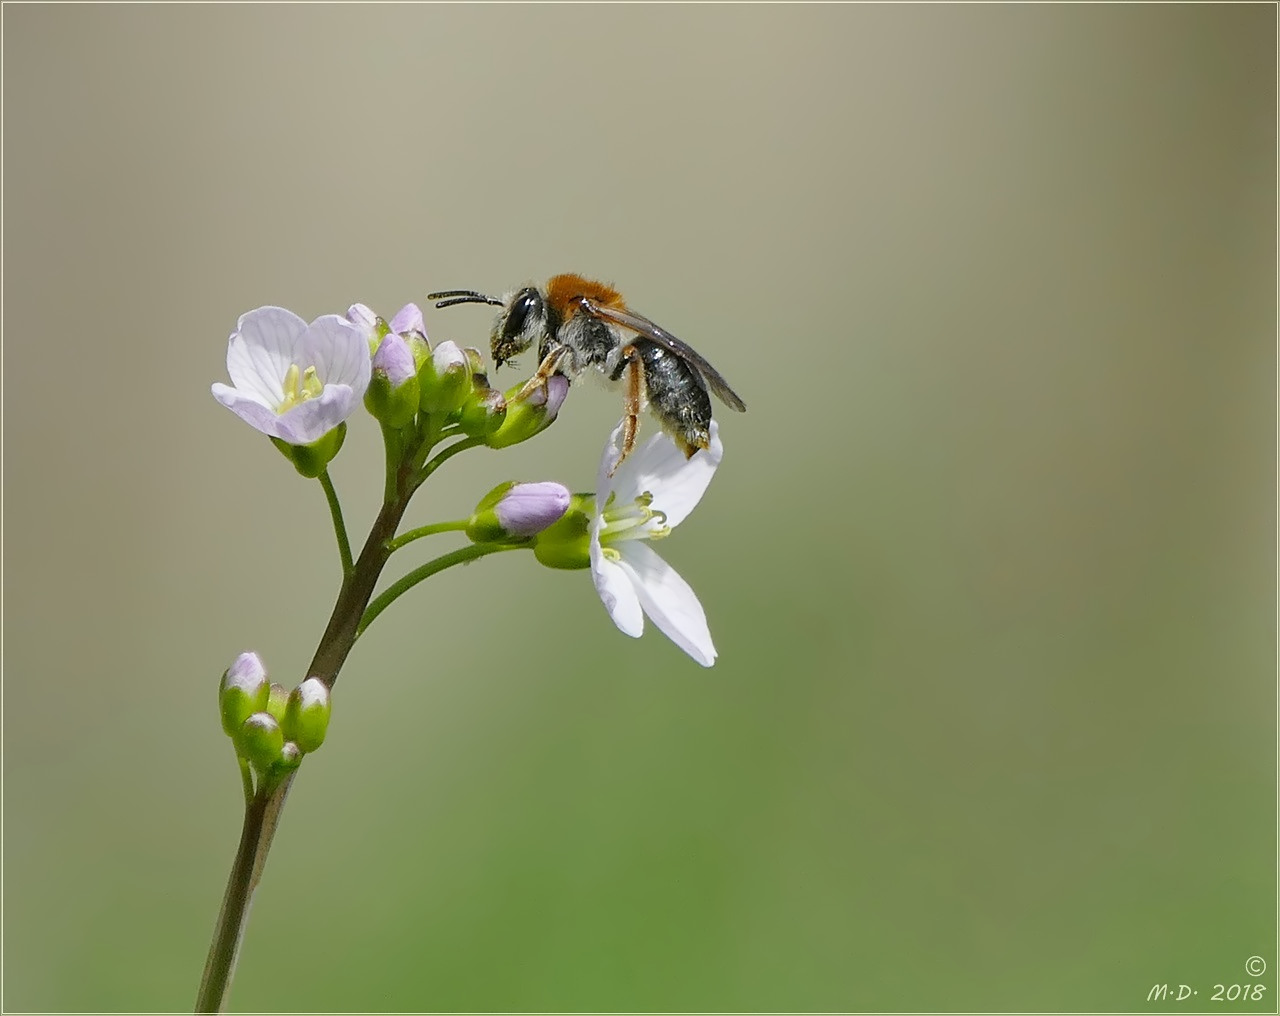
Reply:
x=527, y=302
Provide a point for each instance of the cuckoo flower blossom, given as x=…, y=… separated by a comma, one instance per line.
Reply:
x=649, y=495
x=291, y=380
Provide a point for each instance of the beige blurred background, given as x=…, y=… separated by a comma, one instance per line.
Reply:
x=989, y=562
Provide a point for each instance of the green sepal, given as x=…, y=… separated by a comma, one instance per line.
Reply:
x=419, y=347
x=306, y=714
x=483, y=526
x=313, y=459
x=389, y=405
x=260, y=741
x=483, y=412
x=567, y=542
x=380, y=331
x=442, y=393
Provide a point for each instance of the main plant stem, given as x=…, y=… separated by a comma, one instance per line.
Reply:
x=262, y=811
x=261, y=815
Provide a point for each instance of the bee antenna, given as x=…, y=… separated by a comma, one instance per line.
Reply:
x=450, y=297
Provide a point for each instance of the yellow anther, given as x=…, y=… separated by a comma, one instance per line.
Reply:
x=299, y=385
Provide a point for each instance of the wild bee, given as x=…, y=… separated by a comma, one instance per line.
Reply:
x=580, y=324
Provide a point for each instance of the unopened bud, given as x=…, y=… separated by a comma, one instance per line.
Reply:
x=260, y=741
x=513, y=511
x=277, y=696
x=371, y=326
x=306, y=714
x=290, y=756
x=421, y=350
x=392, y=395
x=483, y=412
x=408, y=319
x=242, y=692
x=531, y=415
x=444, y=380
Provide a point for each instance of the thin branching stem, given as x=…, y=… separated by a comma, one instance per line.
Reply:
x=457, y=525
x=446, y=454
x=339, y=526
x=462, y=555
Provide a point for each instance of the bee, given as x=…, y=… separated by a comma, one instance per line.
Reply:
x=582, y=325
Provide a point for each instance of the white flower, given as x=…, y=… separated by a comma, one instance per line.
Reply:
x=651, y=493
x=291, y=380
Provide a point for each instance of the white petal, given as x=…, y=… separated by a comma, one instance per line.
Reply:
x=363, y=318
x=668, y=600
x=616, y=592
x=659, y=467
x=605, y=483
x=261, y=350
x=310, y=420
x=448, y=355
x=249, y=408
x=408, y=319
x=338, y=350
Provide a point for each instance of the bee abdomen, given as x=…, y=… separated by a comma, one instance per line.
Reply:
x=677, y=396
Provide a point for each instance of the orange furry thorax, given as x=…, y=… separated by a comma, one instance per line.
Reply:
x=564, y=291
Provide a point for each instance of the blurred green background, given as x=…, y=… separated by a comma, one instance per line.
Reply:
x=989, y=562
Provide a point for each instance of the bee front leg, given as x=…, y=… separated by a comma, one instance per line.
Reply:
x=549, y=365
x=634, y=368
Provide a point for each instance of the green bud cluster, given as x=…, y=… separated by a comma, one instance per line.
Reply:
x=452, y=385
x=271, y=727
x=448, y=383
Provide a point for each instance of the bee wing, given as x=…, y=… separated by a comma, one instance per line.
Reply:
x=641, y=325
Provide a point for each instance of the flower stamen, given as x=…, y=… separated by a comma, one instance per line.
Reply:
x=299, y=386
x=636, y=521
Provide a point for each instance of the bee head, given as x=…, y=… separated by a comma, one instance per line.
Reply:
x=522, y=322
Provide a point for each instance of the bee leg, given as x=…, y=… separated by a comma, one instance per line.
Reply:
x=548, y=367
x=634, y=368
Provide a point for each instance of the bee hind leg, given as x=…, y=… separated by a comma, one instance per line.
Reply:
x=633, y=367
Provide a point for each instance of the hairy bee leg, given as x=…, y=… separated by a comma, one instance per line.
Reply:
x=631, y=403
x=542, y=375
